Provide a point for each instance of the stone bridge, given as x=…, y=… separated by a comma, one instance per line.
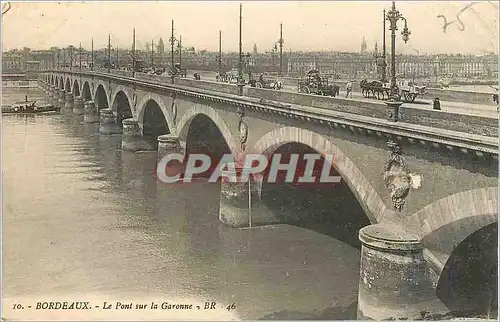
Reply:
x=425, y=180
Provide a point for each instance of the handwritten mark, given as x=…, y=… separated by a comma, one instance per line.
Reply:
x=460, y=25
x=6, y=7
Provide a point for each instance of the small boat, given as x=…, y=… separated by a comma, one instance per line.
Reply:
x=29, y=107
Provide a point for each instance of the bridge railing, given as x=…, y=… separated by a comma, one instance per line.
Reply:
x=479, y=125
x=160, y=79
x=213, y=86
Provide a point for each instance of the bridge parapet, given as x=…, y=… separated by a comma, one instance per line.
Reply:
x=480, y=125
x=417, y=133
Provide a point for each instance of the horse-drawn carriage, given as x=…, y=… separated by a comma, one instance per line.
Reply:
x=267, y=84
x=406, y=90
x=227, y=77
x=313, y=83
x=178, y=71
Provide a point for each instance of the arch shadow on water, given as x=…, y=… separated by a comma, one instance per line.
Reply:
x=328, y=208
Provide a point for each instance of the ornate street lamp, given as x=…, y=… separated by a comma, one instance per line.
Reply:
x=280, y=42
x=173, y=41
x=393, y=16
x=241, y=81
x=219, y=58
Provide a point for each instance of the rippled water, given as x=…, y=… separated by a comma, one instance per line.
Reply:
x=84, y=221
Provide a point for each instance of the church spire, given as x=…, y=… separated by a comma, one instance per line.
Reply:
x=363, y=46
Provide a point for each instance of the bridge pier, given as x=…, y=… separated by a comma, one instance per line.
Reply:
x=132, y=139
x=60, y=100
x=107, y=122
x=395, y=280
x=78, y=108
x=46, y=90
x=69, y=102
x=50, y=95
x=91, y=115
x=168, y=144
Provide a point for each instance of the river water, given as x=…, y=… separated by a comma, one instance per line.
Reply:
x=84, y=221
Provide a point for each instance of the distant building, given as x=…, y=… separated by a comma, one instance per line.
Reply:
x=363, y=46
x=12, y=63
x=160, y=49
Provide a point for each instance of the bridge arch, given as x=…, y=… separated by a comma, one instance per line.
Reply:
x=188, y=117
x=363, y=191
x=460, y=215
x=158, y=100
x=86, y=93
x=460, y=233
x=101, y=98
x=121, y=104
x=76, y=88
x=153, y=121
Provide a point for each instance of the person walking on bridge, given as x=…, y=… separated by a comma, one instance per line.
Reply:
x=348, y=88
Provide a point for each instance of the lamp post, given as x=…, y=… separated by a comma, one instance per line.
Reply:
x=133, y=55
x=172, y=41
x=70, y=58
x=92, y=54
x=241, y=81
x=220, y=53
x=80, y=56
x=384, y=62
x=109, y=53
x=393, y=16
x=280, y=41
x=179, y=46
x=152, y=54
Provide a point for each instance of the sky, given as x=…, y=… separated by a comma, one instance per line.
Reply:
x=307, y=26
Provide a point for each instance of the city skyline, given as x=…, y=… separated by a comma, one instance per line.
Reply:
x=308, y=26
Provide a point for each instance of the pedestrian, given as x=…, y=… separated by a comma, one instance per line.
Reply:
x=348, y=88
x=436, y=104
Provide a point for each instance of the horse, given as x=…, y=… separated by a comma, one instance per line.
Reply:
x=375, y=87
x=365, y=89
x=336, y=90
x=277, y=85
